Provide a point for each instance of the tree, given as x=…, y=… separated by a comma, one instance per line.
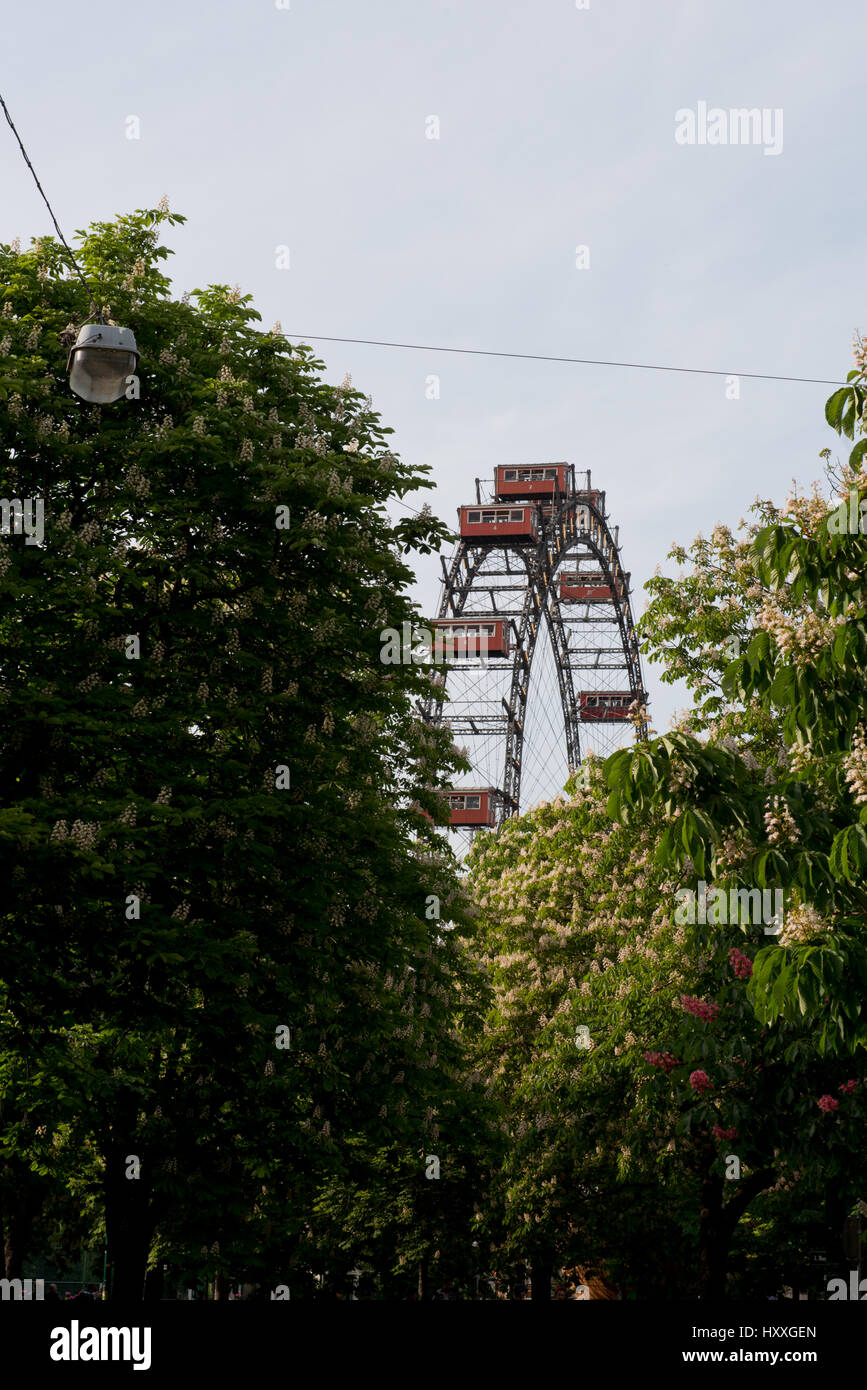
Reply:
x=646, y=1113
x=206, y=811
x=796, y=824
x=692, y=1107
x=582, y=962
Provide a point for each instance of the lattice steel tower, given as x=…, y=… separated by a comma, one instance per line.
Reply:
x=536, y=622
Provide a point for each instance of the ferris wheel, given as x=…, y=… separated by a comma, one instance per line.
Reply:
x=535, y=625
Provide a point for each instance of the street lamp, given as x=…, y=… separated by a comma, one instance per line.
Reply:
x=101, y=362
x=104, y=355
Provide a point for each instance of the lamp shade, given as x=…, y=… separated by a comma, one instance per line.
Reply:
x=100, y=362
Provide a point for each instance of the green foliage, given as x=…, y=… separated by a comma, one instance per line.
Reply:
x=149, y=1028
x=795, y=820
x=708, y=1039
x=614, y=1155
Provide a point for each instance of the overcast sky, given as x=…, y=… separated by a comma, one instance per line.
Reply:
x=308, y=127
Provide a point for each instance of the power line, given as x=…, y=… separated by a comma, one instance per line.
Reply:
x=580, y=361
x=48, y=205
x=428, y=347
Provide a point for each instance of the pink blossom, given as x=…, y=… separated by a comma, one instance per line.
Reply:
x=741, y=964
x=719, y=1133
x=828, y=1103
x=848, y=1088
x=699, y=1008
x=664, y=1060
x=700, y=1081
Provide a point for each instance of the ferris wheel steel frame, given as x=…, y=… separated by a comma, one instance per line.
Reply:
x=523, y=576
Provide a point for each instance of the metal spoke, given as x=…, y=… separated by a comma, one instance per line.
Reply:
x=526, y=719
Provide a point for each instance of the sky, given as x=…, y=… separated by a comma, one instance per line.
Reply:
x=433, y=168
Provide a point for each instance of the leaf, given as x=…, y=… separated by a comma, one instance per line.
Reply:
x=857, y=455
x=848, y=856
x=834, y=407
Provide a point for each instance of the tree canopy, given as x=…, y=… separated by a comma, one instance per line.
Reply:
x=255, y=1020
x=219, y=961
x=773, y=795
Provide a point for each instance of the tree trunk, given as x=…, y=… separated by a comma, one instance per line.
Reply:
x=16, y=1243
x=23, y=1204
x=127, y=1222
x=717, y=1226
x=540, y=1280
x=712, y=1242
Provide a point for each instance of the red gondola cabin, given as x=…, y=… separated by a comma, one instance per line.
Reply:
x=594, y=498
x=538, y=480
x=585, y=587
x=459, y=638
x=480, y=524
x=473, y=807
x=606, y=706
